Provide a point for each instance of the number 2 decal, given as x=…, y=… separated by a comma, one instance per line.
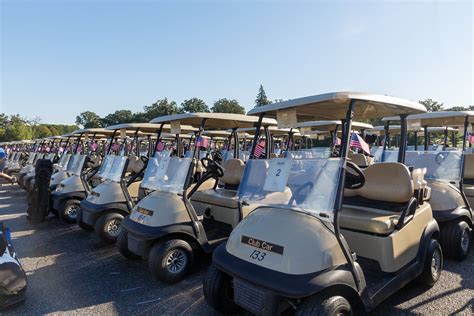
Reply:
x=258, y=255
x=278, y=172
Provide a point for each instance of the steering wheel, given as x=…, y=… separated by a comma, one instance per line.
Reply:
x=440, y=157
x=298, y=194
x=217, y=156
x=144, y=159
x=355, y=178
x=212, y=167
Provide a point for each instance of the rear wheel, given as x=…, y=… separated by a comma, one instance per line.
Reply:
x=325, y=305
x=68, y=213
x=108, y=227
x=456, y=240
x=218, y=291
x=433, y=264
x=81, y=224
x=170, y=261
x=122, y=245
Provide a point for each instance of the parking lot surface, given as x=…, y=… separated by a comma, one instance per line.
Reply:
x=70, y=271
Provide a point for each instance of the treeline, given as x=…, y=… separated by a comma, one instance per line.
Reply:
x=15, y=127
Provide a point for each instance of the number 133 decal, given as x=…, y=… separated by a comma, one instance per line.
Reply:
x=258, y=255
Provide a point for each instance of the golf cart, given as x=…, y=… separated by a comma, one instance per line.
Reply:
x=179, y=218
x=337, y=235
x=108, y=203
x=82, y=168
x=33, y=156
x=447, y=168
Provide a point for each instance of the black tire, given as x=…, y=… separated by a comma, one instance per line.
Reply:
x=324, y=306
x=218, y=291
x=81, y=223
x=68, y=211
x=122, y=245
x=433, y=264
x=108, y=227
x=162, y=253
x=456, y=240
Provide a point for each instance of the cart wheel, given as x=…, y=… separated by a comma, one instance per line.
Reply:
x=324, y=305
x=122, y=245
x=108, y=227
x=170, y=261
x=68, y=213
x=81, y=223
x=218, y=291
x=433, y=264
x=456, y=240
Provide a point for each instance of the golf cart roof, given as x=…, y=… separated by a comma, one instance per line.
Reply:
x=142, y=127
x=213, y=120
x=442, y=118
x=394, y=129
x=216, y=133
x=333, y=106
x=101, y=131
x=331, y=125
x=274, y=130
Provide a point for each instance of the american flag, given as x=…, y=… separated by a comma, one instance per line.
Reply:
x=160, y=146
x=358, y=142
x=202, y=142
x=336, y=141
x=470, y=138
x=94, y=146
x=259, y=149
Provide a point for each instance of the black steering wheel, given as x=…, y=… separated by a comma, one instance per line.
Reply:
x=299, y=195
x=355, y=178
x=212, y=167
x=217, y=156
x=440, y=157
x=144, y=159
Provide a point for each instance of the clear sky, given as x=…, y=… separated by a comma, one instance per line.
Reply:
x=59, y=58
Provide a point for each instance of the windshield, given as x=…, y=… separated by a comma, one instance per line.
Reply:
x=106, y=166
x=31, y=157
x=306, y=184
x=440, y=165
x=381, y=155
x=166, y=174
x=116, y=170
x=76, y=164
x=63, y=162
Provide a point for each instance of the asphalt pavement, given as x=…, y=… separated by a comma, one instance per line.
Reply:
x=70, y=271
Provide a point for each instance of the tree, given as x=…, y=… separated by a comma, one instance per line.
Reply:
x=41, y=131
x=118, y=117
x=194, y=105
x=462, y=108
x=261, y=98
x=161, y=108
x=88, y=119
x=227, y=106
x=432, y=106
x=17, y=129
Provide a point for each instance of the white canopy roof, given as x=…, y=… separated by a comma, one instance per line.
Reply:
x=333, y=106
x=331, y=125
x=441, y=118
x=214, y=120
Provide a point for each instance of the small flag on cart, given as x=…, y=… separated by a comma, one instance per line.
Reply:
x=202, y=142
x=259, y=149
x=358, y=142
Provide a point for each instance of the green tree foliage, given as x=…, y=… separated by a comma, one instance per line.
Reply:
x=261, y=98
x=88, y=119
x=118, y=117
x=432, y=106
x=228, y=106
x=462, y=108
x=161, y=108
x=194, y=105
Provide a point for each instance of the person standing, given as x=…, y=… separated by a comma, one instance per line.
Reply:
x=3, y=161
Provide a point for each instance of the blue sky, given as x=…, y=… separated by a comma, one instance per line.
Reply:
x=59, y=58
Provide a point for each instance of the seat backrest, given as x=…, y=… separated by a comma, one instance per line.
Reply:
x=469, y=166
x=135, y=164
x=387, y=182
x=359, y=159
x=233, y=170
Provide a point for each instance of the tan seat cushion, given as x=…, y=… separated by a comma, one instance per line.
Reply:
x=233, y=170
x=469, y=166
x=368, y=219
x=359, y=159
x=468, y=190
x=220, y=197
x=135, y=164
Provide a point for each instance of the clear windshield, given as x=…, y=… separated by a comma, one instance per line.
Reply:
x=440, y=165
x=317, y=152
x=50, y=157
x=116, y=170
x=306, y=184
x=166, y=174
x=77, y=163
x=381, y=155
x=31, y=158
x=106, y=166
x=63, y=162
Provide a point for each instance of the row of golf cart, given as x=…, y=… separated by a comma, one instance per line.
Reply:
x=300, y=214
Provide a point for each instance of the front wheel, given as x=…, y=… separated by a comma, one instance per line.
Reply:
x=68, y=213
x=108, y=227
x=122, y=245
x=325, y=306
x=218, y=291
x=81, y=223
x=456, y=240
x=433, y=264
x=170, y=261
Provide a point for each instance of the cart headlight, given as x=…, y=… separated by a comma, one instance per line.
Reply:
x=144, y=211
x=95, y=194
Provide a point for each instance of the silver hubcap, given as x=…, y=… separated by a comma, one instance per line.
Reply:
x=465, y=240
x=176, y=261
x=71, y=211
x=435, y=264
x=113, y=227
